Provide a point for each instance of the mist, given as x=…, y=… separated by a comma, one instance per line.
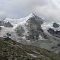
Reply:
x=47, y=9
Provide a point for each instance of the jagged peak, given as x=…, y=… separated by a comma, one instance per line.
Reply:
x=31, y=15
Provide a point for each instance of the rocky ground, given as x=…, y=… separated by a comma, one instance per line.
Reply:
x=12, y=50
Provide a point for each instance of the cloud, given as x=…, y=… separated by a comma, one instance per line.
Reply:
x=17, y=8
x=21, y=8
x=50, y=12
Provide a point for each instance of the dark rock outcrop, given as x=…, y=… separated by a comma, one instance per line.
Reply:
x=8, y=24
x=0, y=28
x=1, y=23
x=54, y=33
x=55, y=25
x=5, y=24
x=19, y=31
x=32, y=27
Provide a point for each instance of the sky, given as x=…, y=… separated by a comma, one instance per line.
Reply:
x=22, y=8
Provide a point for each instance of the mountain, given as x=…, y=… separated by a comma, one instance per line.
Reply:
x=33, y=30
x=5, y=24
x=1, y=23
x=0, y=28
x=32, y=33
x=12, y=50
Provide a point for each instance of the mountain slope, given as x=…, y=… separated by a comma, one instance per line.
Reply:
x=33, y=30
x=12, y=50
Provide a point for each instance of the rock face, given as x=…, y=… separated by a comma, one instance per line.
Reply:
x=12, y=50
x=8, y=24
x=0, y=28
x=20, y=30
x=54, y=33
x=55, y=25
x=1, y=23
x=33, y=28
x=5, y=24
x=51, y=31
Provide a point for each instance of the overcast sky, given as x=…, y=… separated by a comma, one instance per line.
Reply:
x=21, y=8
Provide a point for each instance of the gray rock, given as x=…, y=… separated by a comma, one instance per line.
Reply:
x=0, y=28
x=5, y=24
x=19, y=31
x=34, y=28
x=8, y=24
x=54, y=33
x=1, y=23
x=55, y=25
